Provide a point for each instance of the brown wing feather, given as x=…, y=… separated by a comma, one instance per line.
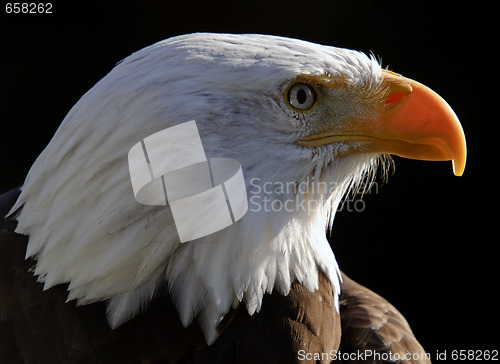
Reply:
x=370, y=323
x=38, y=326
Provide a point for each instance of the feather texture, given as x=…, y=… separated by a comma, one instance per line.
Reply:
x=372, y=329
x=38, y=326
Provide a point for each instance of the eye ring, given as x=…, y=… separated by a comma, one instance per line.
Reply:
x=301, y=96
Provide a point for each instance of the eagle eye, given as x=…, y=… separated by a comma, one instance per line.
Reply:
x=301, y=96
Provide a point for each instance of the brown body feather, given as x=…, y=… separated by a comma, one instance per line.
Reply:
x=371, y=324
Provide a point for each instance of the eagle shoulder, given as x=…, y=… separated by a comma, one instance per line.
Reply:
x=373, y=326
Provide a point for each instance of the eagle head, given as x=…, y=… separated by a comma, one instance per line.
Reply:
x=306, y=122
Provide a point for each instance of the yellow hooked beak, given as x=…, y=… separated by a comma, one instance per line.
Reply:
x=415, y=122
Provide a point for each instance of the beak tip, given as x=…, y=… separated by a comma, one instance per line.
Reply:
x=459, y=161
x=457, y=172
x=458, y=168
x=460, y=156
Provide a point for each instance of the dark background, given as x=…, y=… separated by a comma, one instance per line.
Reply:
x=424, y=240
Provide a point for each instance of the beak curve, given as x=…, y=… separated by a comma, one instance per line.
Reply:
x=415, y=122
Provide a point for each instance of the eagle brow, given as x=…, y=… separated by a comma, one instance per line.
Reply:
x=325, y=79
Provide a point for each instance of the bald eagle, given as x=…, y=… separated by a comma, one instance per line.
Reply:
x=88, y=274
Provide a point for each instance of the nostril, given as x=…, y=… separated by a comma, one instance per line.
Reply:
x=393, y=101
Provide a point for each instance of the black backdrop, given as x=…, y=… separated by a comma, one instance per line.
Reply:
x=425, y=240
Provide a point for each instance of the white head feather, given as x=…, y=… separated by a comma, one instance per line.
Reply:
x=85, y=227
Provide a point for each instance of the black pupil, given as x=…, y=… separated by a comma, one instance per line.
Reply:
x=301, y=96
